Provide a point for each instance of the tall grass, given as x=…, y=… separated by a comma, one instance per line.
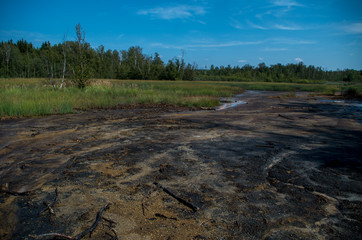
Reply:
x=287, y=87
x=24, y=99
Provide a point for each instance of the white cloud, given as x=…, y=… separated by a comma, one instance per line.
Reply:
x=280, y=8
x=261, y=58
x=242, y=61
x=253, y=25
x=303, y=42
x=298, y=59
x=286, y=3
x=177, y=12
x=291, y=41
x=354, y=28
x=236, y=24
x=275, y=26
x=207, y=45
x=290, y=28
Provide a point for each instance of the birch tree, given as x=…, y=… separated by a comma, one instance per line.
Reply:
x=64, y=60
x=7, y=50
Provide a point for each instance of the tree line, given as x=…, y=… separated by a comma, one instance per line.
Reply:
x=23, y=60
x=77, y=60
x=277, y=73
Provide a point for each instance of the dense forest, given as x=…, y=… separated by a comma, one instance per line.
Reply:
x=279, y=73
x=22, y=60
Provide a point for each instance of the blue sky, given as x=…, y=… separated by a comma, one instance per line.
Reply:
x=326, y=33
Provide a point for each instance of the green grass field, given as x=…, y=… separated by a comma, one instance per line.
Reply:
x=33, y=97
x=20, y=97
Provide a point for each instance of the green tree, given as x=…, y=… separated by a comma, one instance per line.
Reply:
x=170, y=72
x=6, y=48
x=189, y=72
x=81, y=72
x=157, y=67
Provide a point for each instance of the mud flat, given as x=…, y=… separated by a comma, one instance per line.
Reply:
x=272, y=168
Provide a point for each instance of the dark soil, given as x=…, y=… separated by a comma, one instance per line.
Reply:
x=274, y=168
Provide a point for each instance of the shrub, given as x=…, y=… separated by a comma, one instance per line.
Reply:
x=350, y=92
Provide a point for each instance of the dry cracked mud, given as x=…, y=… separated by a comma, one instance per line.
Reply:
x=273, y=168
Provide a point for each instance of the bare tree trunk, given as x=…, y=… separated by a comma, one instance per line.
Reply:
x=51, y=76
x=28, y=67
x=64, y=62
x=149, y=67
x=64, y=66
x=182, y=63
x=7, y=47
x=139, y=68
x=34, y=67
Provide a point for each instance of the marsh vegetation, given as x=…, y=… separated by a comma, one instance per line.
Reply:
x=31, y=97
x=22, y=98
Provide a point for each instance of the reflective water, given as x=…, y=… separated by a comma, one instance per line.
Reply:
x=230, y=104
x=347, y=108
x=235, y=101
x=344, y=102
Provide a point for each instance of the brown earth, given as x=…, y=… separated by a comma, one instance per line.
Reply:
x=274, y=168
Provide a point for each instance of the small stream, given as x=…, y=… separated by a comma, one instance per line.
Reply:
x=235, y=101
x=346, y=108
x=230, y=104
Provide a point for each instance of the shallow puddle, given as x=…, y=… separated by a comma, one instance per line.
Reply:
x=235, y=101
x=347, y=102
x=350, y=108
x=231, y=104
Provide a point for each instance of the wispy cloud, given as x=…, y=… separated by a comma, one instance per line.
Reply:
x=256, y=26
x=275, y=26
x=298, y=59
x=207, y=45
x=286, y=3
x=120, y=36
x=280, y=8
x=236, y=24
x=284, y=27
x=176, y=12
x=291, y=41
x=275, y=49
x=242, y=61
x=275, y=16
x=353, y=28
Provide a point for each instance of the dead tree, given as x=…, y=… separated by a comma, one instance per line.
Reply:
x=7, y=48
x=65, y=60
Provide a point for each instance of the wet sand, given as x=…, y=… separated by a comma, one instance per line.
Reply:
x=272, y=168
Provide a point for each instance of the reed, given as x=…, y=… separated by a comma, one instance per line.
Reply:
x=34, y=97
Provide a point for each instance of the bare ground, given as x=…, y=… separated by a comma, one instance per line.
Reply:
x=274, y=168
